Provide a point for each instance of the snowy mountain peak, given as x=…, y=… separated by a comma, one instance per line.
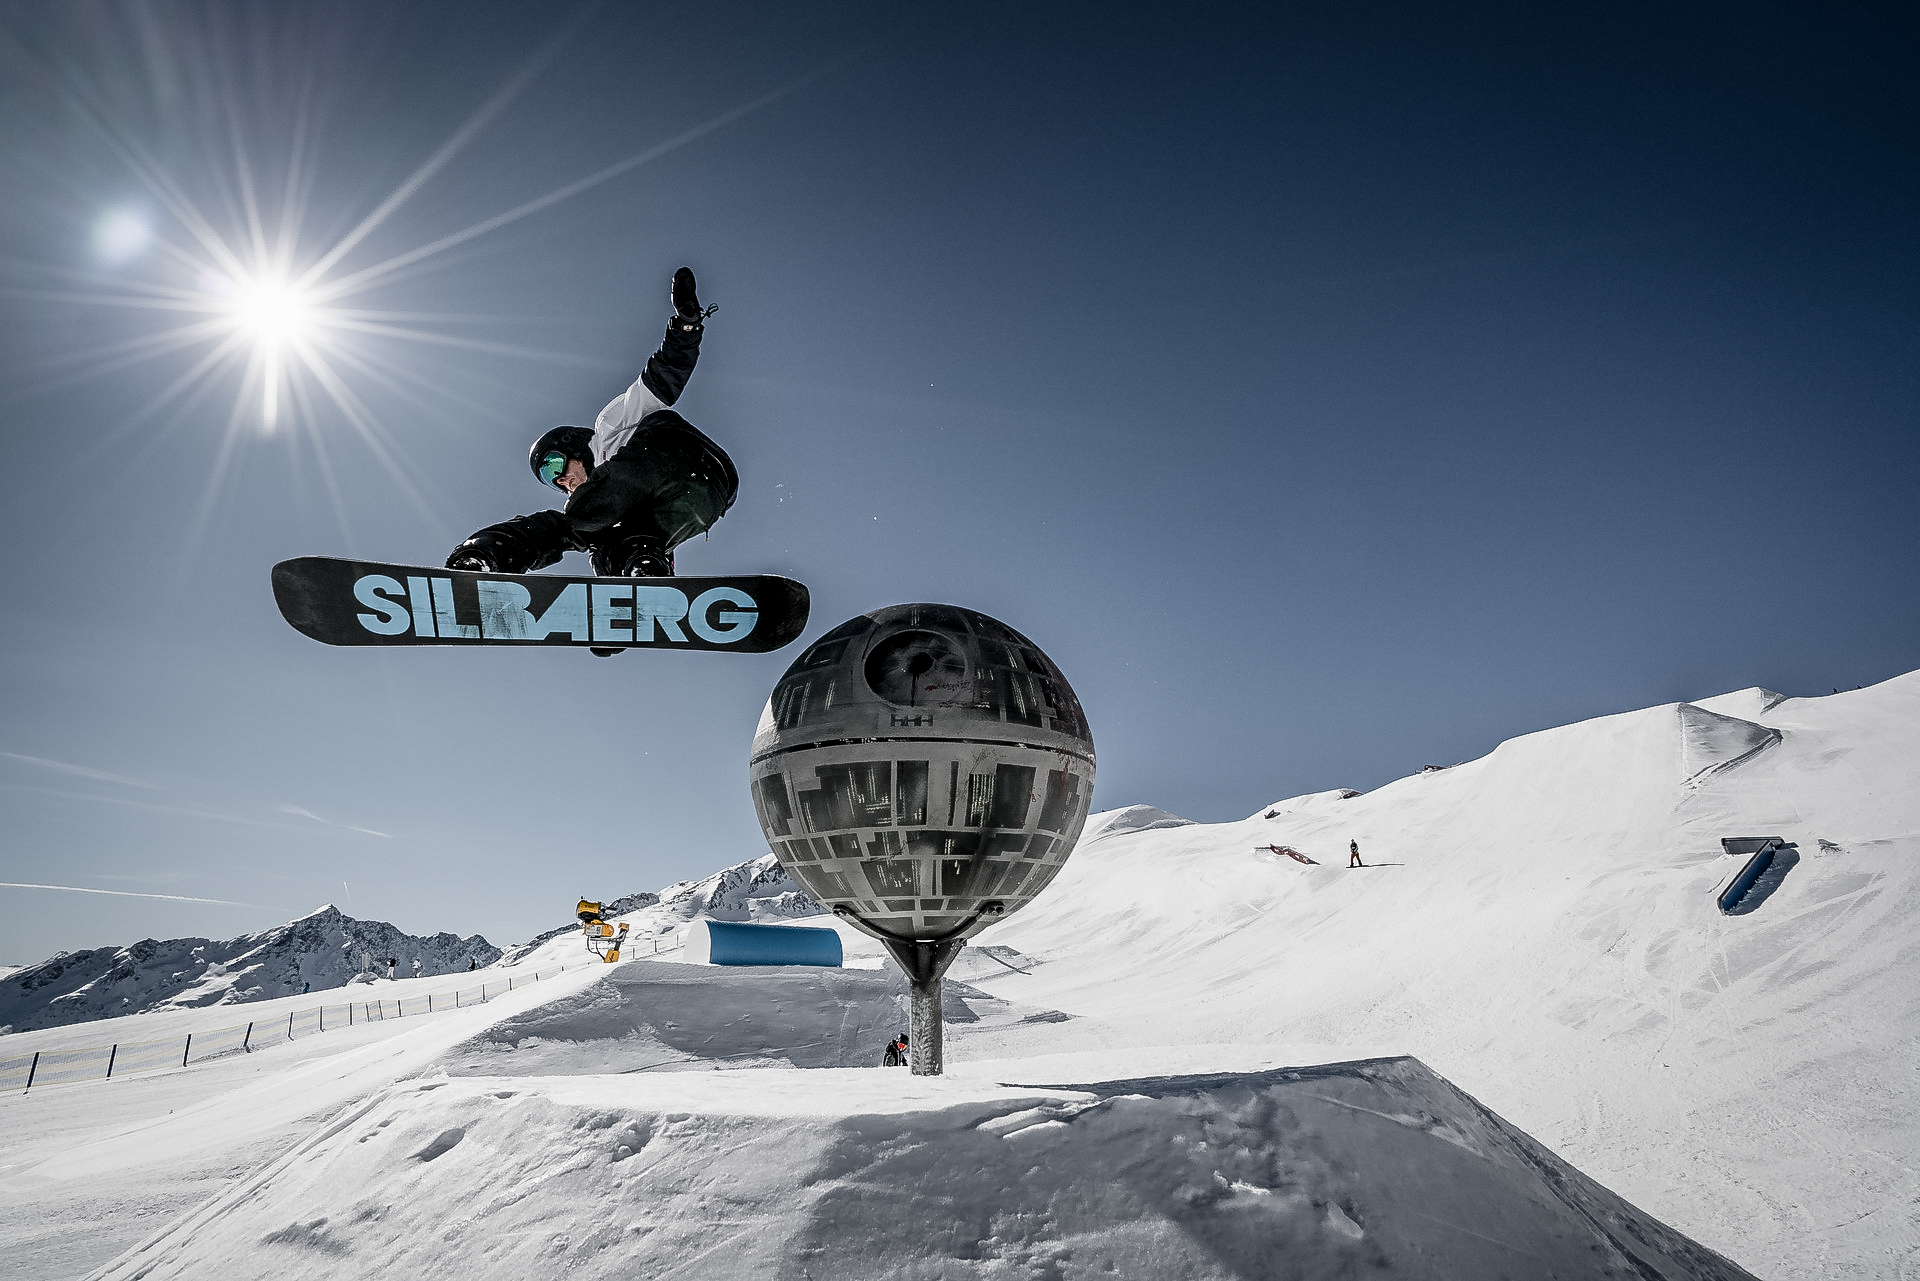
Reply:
x=320, y=950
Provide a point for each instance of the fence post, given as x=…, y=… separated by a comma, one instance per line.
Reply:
x=323, y=1018
x=114, y=1054
x=187, y=1051
x=456, y=999
x=289, y=1025
x=246, y=1041
x=429, y=1002
x=349, y=1013
x=31, y=1070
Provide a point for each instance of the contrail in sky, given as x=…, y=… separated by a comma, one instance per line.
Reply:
x=360, y=279
x=81, y=889
x=80, y=770
x=295, y=809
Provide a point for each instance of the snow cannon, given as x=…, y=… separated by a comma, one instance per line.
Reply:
x=737, y=943
x=922, y=771
x=601, y=940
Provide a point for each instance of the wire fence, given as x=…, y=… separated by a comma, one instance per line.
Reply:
x=104, y=1062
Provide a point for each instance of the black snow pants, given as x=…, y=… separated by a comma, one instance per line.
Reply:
x=667, y=485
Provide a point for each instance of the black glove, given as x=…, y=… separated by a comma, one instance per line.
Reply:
x=466, y=557
x=686, y=298
x=687, y=312
x=517, y=546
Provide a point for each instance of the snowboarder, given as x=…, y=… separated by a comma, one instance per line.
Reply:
x=1353, y=854
x=896, y=1054
x=640, y=483
x=472, y=965
x=393, y=963
x=416, y=967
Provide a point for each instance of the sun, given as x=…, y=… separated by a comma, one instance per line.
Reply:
x=270, y=313
x=270, y=310
x=290, y=320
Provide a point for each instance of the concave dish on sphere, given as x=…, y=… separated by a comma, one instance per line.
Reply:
x=922, y=770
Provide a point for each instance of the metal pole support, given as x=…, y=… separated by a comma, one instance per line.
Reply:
x=925, y=965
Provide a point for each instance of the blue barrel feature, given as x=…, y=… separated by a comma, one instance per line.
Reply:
x=1755, y=869
x=736, y=943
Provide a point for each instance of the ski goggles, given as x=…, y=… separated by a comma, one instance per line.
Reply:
x=552, y=467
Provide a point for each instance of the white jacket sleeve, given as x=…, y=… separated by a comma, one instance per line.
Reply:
x=614, y=427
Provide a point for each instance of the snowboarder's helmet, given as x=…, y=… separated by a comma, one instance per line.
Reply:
x=565, y=443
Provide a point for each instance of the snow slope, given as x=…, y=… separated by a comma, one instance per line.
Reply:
x=322, y=948
x=89, y=1169
x=1539, y=926
x=1337, y=1171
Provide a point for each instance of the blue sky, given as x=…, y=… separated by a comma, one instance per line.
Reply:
x=1330, y=392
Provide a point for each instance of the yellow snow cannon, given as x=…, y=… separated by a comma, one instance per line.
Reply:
x=598, y=931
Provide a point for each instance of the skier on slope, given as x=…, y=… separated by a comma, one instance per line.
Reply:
x=641, y=482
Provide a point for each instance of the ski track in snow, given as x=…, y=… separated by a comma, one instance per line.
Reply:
x=1538, y=930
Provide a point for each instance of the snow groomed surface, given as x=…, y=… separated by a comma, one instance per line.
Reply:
x=1603, y=1005
x=1341, y=1170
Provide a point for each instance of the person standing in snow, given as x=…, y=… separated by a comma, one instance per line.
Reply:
x=416, y=967
x=640, y=483
x=393, y=963
x=896, y=1054
x=1353, y=854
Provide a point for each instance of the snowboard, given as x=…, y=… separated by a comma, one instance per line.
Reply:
x=354, y=602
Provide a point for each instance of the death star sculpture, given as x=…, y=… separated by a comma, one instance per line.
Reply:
x=921, y=771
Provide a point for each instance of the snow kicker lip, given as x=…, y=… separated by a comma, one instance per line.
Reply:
x=350, y=602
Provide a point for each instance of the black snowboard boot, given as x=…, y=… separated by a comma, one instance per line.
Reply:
x=631, y=556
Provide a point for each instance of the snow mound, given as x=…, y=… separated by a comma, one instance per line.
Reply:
x=1748, y=704
x=1340, y=1170
x=668, y=1017
x=1312, y=800
x=1710, y=742
x=322, y=948
x=1129, y=818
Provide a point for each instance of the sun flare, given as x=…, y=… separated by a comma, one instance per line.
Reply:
x=271, y=311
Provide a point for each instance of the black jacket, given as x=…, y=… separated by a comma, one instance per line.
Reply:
x=658, y=481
